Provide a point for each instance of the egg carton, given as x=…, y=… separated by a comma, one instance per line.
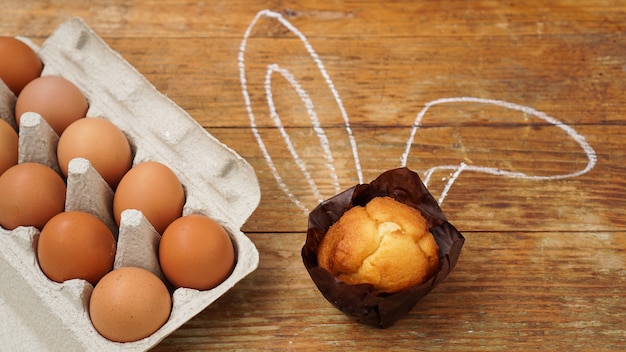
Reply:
x=39, y=314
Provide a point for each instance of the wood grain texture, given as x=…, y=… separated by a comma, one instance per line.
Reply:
x=544, y=264
x=512, y=291
x=477, y=201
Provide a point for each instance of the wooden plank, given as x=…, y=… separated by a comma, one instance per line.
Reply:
x=499, y=296
x=327, y=19
x=477, y=201
x=575, y=78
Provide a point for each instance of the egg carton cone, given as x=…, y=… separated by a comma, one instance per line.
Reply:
x=41, y=315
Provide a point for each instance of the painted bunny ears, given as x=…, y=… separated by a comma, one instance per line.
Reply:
x=325, y=145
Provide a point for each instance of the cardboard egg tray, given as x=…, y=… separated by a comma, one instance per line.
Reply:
x=39, y=314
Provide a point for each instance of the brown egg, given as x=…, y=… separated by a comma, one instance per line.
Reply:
x=56, y=99
x=196, y=252
x=30, y=195
x=76, y=245
x=153, y=189
x=99, y=141
x=19, y=64
x=129, y=304
x=8, y=146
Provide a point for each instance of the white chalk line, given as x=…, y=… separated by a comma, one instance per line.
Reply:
x=305, y=98
x=455, y=169
x=580, y=139
x=455, y=175
x=316, y=127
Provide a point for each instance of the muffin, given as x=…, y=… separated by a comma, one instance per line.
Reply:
x=385, y=244
x=333, y=257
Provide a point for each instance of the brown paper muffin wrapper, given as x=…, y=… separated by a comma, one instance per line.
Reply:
x=360, y=301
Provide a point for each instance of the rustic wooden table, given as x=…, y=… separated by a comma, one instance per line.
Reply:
x=513, y=113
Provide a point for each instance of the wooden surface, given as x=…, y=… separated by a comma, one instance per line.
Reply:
x=544, y=264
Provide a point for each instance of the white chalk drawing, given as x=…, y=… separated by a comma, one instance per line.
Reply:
x=589, y=152
x=455, y=170
x=310, y=109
